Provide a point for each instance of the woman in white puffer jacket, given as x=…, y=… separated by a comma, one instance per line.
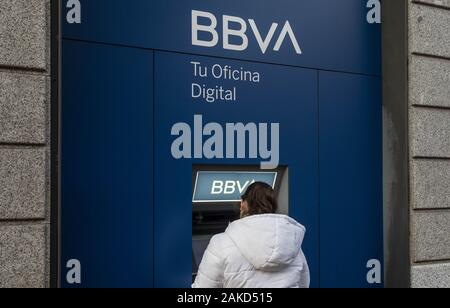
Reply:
x=260, y=250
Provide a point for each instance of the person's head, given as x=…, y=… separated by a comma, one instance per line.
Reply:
x=258, y=199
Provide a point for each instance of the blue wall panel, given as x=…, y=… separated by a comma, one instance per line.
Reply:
x=333, y=35
x=126, y=80
x=107, y=164
x=351, y=195
x=285, y=95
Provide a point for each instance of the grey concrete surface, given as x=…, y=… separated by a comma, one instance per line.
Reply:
x=430, y=81
x=430, y=132
x=431, y=235
x=443, y=3
x=24, y=142
x=23, y=108
x=24, y=35
x=430, y=184
x=23, y=183
x=429, y=30
x=23, y=251
x=431, y=276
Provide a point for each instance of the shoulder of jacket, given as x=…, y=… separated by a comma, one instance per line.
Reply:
x=222, y=241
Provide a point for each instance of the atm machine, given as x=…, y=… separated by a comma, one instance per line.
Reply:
x=216, y=195
x=134, y=213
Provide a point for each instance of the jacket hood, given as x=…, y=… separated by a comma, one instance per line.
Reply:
x=268, y=242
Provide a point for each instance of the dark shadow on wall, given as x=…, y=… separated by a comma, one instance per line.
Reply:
x=395, y=144
x=54, y=139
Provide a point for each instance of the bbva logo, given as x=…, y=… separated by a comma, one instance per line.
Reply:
x=237, y=27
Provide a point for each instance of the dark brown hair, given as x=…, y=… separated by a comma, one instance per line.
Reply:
x=261, y=199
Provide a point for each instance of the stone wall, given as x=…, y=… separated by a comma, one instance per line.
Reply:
x=24, y=143
x=429, y=117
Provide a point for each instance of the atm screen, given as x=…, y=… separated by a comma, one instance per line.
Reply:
x=227, y=186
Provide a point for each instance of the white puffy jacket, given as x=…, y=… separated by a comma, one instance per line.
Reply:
x=260, y=251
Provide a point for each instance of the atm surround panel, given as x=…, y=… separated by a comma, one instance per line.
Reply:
x=221, y=213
